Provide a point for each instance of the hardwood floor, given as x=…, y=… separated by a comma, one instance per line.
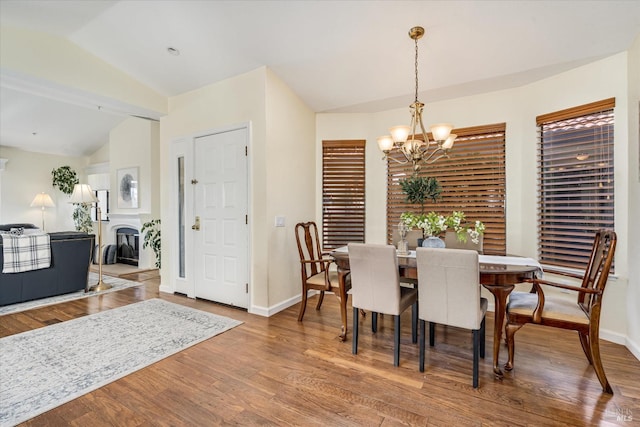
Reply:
x=277, y=371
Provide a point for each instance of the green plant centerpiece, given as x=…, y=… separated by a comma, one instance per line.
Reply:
x=152, y=238
x=420, y=188
x=65, y=179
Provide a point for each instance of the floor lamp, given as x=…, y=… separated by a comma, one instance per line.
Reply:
x=42, y=200
x=84, y=195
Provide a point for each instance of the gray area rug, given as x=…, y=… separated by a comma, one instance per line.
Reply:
x=117, y=283
x=46, y=367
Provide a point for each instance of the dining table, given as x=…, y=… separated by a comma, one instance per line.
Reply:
x=498, y=274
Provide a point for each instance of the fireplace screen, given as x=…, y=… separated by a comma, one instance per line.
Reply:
x=128, y=246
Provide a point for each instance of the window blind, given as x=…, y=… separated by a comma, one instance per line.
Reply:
x=576, y=181
x=472, y=180
x=343, y=192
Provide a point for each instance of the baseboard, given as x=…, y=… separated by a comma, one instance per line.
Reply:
x=613, y=337
x=633, y=347
x=166, y=289
x=270, y=311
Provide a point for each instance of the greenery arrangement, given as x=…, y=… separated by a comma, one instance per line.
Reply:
x=65, y=178
x=152, y=238
x=82, y=218
x=433, y=224
x=420, y=188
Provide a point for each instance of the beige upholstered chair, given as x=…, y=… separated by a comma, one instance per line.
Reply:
x=375, y=286
x=449, y=289
x=581, y=315
x=451, y=242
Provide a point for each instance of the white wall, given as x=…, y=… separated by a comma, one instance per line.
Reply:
x=517, y=108
x=290, y=185
x=633, y=234
x=281, y=180
x=135, y=143
x=27, y=174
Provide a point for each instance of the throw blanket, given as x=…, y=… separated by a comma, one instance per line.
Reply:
x=25, y=253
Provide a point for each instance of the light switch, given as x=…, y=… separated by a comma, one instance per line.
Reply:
x=279, y=221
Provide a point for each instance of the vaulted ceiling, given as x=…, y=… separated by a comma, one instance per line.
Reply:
x=342, y=56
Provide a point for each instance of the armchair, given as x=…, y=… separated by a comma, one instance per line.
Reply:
x=582, y=316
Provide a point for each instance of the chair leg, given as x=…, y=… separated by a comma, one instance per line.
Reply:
x=320, y=299
x=432, y=334
x=594, y=347
x=476, y=356
x=396, y=343
x=354, y=344
x=511, y=330
x=482, y=337
x=374, y=322
x=422, y=342
x=584, y=342
x=414, y=322
x=303, y=304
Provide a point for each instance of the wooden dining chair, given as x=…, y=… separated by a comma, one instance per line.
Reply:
x=375, y=286
x=449, y=290
x=314, y=267
x=582, y=315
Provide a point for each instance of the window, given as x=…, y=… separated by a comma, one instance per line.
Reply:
x=343, y=207
x=472, y=180
x=576, y=181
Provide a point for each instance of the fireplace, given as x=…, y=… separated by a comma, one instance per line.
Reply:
x=128, y=244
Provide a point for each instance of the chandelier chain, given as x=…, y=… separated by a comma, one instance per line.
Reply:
x=416, y=68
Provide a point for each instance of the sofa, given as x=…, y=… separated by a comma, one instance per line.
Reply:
x=70, y=258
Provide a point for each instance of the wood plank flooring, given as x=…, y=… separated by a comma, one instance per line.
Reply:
x=277, y=371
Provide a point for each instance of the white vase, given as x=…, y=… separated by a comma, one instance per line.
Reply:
x=433, y=242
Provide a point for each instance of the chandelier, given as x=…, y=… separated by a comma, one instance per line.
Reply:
x=416, y=147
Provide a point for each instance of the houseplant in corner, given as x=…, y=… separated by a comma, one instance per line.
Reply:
x=152, y=238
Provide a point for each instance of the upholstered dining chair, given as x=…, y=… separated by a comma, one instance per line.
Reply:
x=449, y=289
x=451, y=242
x=581, y=315
x=375, y=286
x=314, y=266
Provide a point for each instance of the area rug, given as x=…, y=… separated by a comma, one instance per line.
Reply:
x=46, y=367
x=116, y=283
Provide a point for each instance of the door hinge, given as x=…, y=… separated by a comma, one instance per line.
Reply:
x=246, y=219
x=246, y=287
x=194, y=181
x=246, y=151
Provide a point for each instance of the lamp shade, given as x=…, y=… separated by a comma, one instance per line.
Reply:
x=42, y=200
x=400, y=133
x=441, y=131
x=83, y=194
x=385, y=143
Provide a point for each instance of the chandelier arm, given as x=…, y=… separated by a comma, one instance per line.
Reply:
x=396, y=160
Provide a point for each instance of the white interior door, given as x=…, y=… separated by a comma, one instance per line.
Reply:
x=221, y=244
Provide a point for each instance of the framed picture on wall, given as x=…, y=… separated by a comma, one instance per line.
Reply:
x=128, y=188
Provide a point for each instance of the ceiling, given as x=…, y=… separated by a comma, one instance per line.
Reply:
x=338, y=56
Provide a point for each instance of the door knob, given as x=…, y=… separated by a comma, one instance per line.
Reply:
x=196, y=226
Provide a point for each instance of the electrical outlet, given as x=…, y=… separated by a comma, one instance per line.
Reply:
x=279, y=221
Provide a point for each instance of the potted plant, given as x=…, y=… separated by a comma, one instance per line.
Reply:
x=152, y=238
x=65, y=179
x=420, y=188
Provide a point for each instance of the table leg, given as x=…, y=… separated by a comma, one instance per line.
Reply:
x=342, y=278
x=500, y=294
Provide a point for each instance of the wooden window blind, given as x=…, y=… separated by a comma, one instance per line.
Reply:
x=343, y=197
x=576, y=193
x=472, y=180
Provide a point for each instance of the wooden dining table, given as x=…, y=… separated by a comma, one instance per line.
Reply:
x=498, y=278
